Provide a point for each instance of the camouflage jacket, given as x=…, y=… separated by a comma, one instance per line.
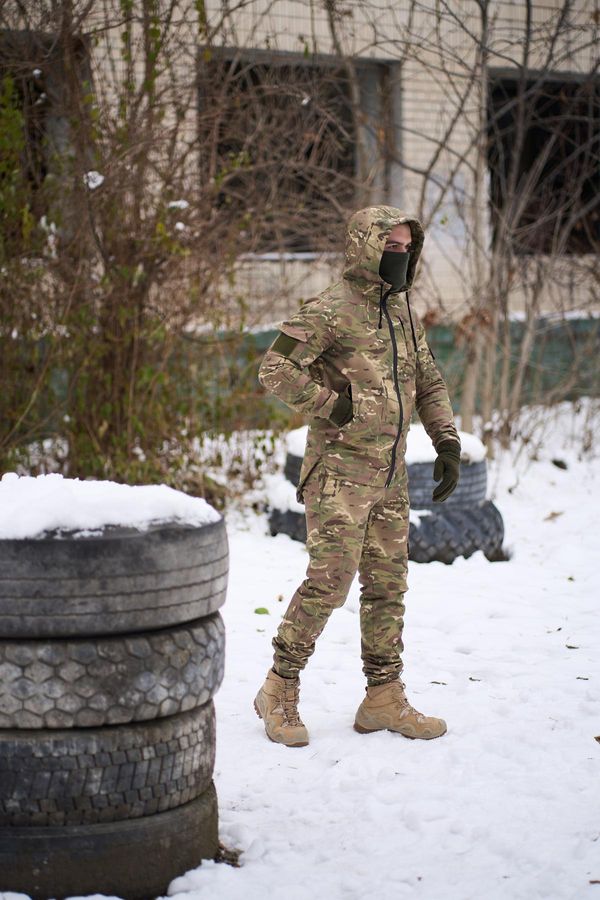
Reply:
x=388, y=369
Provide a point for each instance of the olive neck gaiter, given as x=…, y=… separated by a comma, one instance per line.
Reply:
x=393, y=267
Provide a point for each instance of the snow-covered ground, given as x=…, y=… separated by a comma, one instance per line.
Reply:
x=506, y=805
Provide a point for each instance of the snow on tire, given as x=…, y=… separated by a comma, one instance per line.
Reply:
x=123, y=580
x=90, y=682
x=83, y=776
x=135, y=859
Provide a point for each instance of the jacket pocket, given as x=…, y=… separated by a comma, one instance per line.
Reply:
x=363, y=430
x=353, y=399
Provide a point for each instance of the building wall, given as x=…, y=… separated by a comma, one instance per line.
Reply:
x=429, y=88
x=428, y=108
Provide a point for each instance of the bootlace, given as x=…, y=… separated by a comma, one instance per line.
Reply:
x=289, y=703
x=402, y=699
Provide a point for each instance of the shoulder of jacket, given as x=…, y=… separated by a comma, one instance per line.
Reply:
x=336, y=298
x=326, y=305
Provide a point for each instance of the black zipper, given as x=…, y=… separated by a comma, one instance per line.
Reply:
x=397, y=387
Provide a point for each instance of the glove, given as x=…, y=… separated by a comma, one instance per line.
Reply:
x=446, y=468
x=341, y=413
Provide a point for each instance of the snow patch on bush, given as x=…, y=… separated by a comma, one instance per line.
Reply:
x=93, y=180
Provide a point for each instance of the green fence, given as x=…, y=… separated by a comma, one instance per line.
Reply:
x=215, y=379
x=565, y=357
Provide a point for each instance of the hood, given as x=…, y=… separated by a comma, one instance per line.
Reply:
x=366, y=234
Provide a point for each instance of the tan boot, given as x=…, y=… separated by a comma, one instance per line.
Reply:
x=277, y=705
x=386, y=706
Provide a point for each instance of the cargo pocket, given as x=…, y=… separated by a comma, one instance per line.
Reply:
x=312, y=473
x=329, y=485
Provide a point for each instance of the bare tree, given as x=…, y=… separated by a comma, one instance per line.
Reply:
x=516, y=161
x=147, y=153
x=174, y=159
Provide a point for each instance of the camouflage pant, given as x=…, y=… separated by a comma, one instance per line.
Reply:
x=350, y=526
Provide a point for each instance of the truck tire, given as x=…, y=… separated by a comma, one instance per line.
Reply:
x=84, y=776
x=288, y=522
x=134, y=859
x=441, y=536
x=470, y=490
x=123, y=580
x=293, y=464
x=91, y=682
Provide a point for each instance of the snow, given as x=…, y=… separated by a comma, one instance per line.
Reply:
x=560, y=315
x=503, y=807
x=419, y=448
x=281, y=493
x=288, y=256
x=30, y=507
x=178, y=204
x=296, y=441
x=93, y=180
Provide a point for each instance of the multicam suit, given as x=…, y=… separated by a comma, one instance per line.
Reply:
x=353, y=479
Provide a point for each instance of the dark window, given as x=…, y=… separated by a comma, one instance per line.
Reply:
x=277, y=145
x=545, y=176
x=33, y=83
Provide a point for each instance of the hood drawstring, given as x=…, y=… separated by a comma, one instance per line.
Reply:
x=412, y=327
x=382, y=301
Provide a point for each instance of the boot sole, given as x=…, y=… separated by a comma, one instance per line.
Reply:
x=299, y=744
x=411, y=737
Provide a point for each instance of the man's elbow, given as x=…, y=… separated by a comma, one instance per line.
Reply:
x=274, y=372
x=266, y=373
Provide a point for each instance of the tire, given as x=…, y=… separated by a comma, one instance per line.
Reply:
x=70, y=683
x=470, y=490
x=293, y=464
x=451, y=533
x=135, y=859
x=288, y=522
x=121, y=581
x=82, y=777
x=441, y=536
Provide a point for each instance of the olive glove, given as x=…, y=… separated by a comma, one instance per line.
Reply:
x=341, y=413
x=446, y=469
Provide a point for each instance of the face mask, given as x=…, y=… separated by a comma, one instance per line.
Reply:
x=393, y=268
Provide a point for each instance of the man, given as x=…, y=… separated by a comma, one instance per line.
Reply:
x=356, y=361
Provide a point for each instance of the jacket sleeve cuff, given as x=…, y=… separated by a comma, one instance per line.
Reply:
x=449, y=445
x=324, y=403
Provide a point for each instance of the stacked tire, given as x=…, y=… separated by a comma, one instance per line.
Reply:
x=111, y=650
x=464, y=523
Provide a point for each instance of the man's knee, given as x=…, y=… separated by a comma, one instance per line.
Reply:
x=322, y=594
